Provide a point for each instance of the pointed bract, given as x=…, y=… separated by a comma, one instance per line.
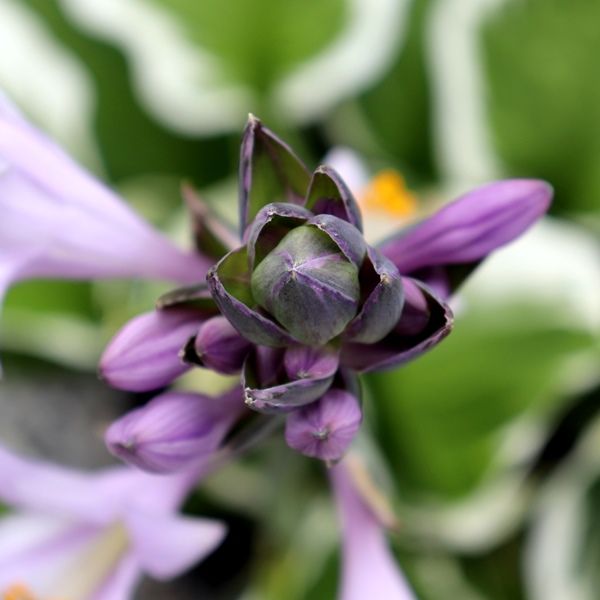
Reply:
x=229, y=282
x=425, y=321
x=382, y=307
x=267, y=386
x=328, y=194
x=269, y=172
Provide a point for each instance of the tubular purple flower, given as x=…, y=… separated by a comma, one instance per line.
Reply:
x=368, y=566
x=175, y=431
x=218, y=346
x=58, y=221
x=92, y=536
x=467, y=230
x=325, y=428
x=144, y=355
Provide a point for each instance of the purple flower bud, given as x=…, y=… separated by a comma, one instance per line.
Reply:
x=220, y=347
x=467, y=230
x=325, y=428
x=308, y=285
x=144, y=355
x=174, y=431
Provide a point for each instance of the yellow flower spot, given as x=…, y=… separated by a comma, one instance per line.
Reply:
x=387, y=193
x=18, y=592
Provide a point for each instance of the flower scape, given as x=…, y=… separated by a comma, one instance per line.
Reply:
x=297, y=306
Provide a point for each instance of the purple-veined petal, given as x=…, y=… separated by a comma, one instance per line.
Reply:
x=368, y=566
x=174, y=430
x=67, y=224
x=218, y=346
x=144, y=355
x=269, y=227
x=270, y=171
x=383, y=305
x=268, y=388
x=425, y=321
x=329, y=194
x=467, y=230
x=229, y=282
x=325, y=428
x=168, y=545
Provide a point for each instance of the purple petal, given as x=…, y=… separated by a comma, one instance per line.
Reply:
x=174, y=430
x=325, y=428
x=346, y=236
x=122, y=582
x=301, y=362
x=229, y=282
x=383, y=305
x=329, y=194
x=144, y=355
x=34, y=548
x=67, y=224
x=219, y=346
x=368, y=566
x=266, y=390
x=270, y=171
x=424, y=323
x=168, y=545
x=468, y=229
x=46, y=488
x=270, y=226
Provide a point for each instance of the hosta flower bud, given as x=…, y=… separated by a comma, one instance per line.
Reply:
x=220, y=347
x=308, y=285
x=144, y=355
x=173, y=431
x=325, y=428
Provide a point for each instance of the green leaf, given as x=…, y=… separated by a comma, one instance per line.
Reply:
x=440, y=418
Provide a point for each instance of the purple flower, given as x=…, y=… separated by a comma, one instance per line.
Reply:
x=57, y=221
x=325, y=428
x=304, y=300
x=92, y=536
x=175, y=431
x=368, y=566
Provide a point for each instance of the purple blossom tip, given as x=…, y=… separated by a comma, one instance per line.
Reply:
x=144, y=355
x=174, y=431
x=465, y=231
x=220, y=347
x=325, y=428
